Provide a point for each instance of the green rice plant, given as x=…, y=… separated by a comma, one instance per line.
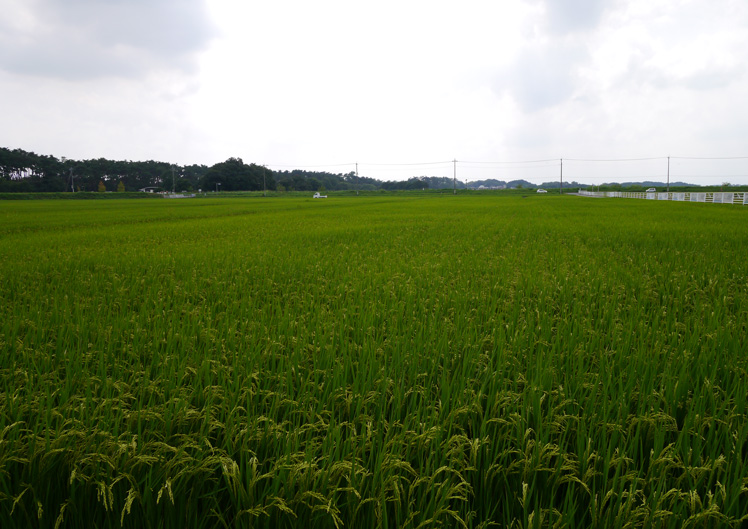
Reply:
x=375, y=361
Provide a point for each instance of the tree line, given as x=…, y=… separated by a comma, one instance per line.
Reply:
x=24, y=171
x=27, y=172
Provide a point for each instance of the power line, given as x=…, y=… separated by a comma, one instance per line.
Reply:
x=513, y=162
x=715, y=158
x=407, y=164
x=512, y=168
x=710, y=176
x=516, y=162
x=540, y=169
x=318, y=165
x=384, y=168
x=615, y=159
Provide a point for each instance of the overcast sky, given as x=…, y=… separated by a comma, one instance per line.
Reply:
x=388, y=84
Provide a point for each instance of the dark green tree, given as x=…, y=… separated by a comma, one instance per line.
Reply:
x=235, y=175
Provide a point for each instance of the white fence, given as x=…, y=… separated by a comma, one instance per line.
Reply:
x=713, y=198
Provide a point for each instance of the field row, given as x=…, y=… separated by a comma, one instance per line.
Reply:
x=373, y=362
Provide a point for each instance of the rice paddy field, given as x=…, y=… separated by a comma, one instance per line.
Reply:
x=381, y=361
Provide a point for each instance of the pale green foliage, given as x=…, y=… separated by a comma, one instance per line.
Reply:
x=373, y=362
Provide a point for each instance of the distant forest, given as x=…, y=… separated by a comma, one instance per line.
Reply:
x=22, y=171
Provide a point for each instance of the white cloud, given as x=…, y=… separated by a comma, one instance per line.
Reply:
x=566, y=16
x=546, y=75
x=305, y=83
x=86, y=39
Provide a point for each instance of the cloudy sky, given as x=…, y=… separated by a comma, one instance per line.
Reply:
x=507, y=88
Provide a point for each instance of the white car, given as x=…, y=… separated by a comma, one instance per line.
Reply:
x=651, y=190
x=542, y=191
x=317, y=195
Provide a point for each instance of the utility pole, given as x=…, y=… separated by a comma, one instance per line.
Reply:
x=264, y=187
x=72, y=184
x=668, y=174
x=357, y=184
x=561, y=189
x=356, y=178
x=173, y=182
x=454, y=174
